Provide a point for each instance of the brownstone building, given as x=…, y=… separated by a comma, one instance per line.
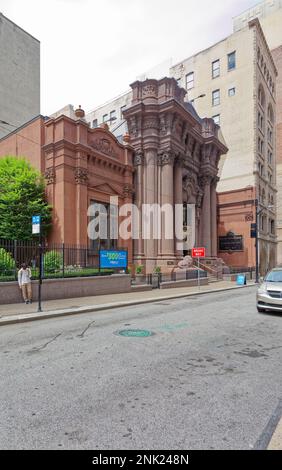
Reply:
x=82, y=166
x=170, y=157
x=176, y=162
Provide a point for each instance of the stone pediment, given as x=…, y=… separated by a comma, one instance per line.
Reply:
x=107, y=188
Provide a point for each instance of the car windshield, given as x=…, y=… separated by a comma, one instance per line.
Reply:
x=274, y=276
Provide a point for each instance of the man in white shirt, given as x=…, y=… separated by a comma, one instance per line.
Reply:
x=24, y=278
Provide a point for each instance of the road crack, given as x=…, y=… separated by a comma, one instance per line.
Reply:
x=86, y=329
x=46, y=344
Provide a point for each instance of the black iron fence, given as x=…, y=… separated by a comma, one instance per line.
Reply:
x=244, y=270
x=156, y=279
x=59, y=260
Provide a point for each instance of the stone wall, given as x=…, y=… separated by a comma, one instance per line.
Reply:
x=53, y=289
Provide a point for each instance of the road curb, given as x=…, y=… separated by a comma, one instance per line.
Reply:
x=23, y=318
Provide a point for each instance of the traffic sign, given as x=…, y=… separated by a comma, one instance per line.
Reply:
x=36, y=224
x=198, y=253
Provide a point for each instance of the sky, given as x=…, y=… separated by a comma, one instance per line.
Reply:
x=91, y=50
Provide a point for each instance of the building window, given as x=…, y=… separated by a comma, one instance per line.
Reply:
x=216, y=119
x=216, y=97
x=121, y=111
x=261, y=96
x=231, y=60
x=272, y=227
x=95, y=123
x=105, y=117
x=216, y=69
x=113, y=116
x=232, y=92
x=270, y=114
x=190, y=81
x=104, y=237
x=269, y=157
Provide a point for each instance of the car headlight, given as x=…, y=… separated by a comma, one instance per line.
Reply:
x=262, y=289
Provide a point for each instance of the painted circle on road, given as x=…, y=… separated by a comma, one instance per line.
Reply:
x=135, y=333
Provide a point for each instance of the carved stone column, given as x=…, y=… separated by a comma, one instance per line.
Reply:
x=139, y=199
x=81, y=179
x=206, y=214
x=178, y=196
x=150, y=184
x=166, y=164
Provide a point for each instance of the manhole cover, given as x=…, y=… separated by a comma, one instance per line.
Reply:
x=135, y=333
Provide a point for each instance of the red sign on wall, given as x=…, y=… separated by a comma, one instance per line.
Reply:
x=198, y=253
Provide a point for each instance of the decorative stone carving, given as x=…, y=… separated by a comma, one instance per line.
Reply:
x=139, y=158
x=249, y=217
x=128, y=191
x=132, y=126
x=50, y=176
x=151, y=123
x=104, y=146
x=81, y=176
x=186, y=263
x=149, y=90
x=163, y=125
x=205, y=180
x=199, y=198
x=215, y=180
x=166, y=158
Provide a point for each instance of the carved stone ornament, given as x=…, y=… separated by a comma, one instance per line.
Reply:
x=163, y=125
x=205, y=180
x=165, y=158
x=81, y=176
x=199, y=199
x=104, y=146
x=149, y=90
x=128, y=190
x=133, y=127
x=151, y=123
x=50, y=176
x=249, y=217
x=139, y=158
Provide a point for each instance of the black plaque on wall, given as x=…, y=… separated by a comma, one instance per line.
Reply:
x=231, y=242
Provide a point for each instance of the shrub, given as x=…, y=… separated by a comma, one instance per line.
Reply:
x=158, y=270
x=139, y=269
x=53, y=261
x=7, y=262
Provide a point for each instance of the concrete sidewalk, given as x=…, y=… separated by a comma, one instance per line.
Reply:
x=17, y=313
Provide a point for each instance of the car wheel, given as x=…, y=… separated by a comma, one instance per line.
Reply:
x=261, y=310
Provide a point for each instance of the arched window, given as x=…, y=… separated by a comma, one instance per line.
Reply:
x=270, y=114
x=261, y=96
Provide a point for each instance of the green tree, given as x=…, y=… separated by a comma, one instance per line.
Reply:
x=22, y=195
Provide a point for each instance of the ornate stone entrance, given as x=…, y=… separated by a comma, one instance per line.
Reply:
x=176, y=161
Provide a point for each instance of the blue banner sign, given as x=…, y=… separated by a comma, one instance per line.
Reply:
x=113, y=259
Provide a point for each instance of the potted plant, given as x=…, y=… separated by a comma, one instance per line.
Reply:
x=140, y=277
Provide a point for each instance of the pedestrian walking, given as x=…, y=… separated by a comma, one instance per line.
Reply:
x=24, y=278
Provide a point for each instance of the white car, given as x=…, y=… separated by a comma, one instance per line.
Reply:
x=269, y=294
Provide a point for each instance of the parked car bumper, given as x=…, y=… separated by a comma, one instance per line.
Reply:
x=265, y=301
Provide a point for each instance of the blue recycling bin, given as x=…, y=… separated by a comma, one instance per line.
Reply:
x=241, y=280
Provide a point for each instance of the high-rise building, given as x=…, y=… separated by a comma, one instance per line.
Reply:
x=19, y=76
x=269, y=13
x=234, y=82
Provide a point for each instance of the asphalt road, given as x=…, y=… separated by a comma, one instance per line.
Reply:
x=209, y=378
